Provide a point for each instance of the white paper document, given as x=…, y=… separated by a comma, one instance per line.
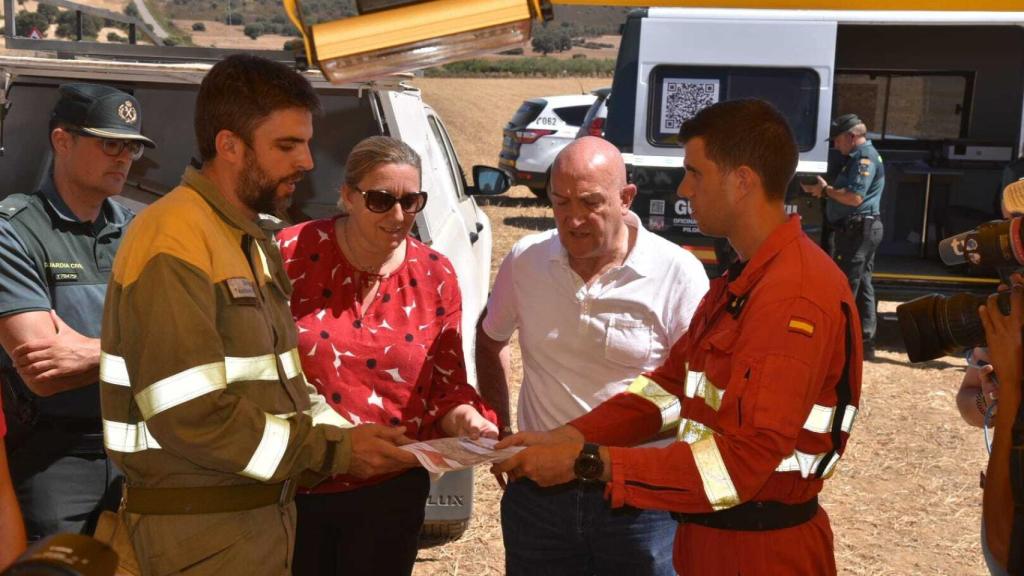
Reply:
x=451, y=454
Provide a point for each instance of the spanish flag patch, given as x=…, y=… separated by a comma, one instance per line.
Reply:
x=802, y=326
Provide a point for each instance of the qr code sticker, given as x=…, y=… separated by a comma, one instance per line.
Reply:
x=683, y=98
x=657, y=207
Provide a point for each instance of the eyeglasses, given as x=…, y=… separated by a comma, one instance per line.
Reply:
x=380, y=201
x=115, y=147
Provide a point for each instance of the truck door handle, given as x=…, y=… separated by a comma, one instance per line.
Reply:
x=479, y=226
x=473, y=237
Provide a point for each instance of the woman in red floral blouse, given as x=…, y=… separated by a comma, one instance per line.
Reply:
x=379, y=317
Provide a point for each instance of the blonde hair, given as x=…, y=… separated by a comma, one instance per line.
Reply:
x=370, y=154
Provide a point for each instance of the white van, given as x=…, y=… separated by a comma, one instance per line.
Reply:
x=941, y=93
x=451, y=222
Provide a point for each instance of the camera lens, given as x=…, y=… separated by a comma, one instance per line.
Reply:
x=934, y=326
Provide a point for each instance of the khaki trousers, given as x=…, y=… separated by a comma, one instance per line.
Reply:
x=256, y=542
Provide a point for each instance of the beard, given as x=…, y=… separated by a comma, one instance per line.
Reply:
x=258, y=191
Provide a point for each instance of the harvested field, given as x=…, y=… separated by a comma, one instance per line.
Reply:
x=905, y=499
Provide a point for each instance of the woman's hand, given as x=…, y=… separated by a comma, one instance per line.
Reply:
x=465, y=420
x=1003, y=335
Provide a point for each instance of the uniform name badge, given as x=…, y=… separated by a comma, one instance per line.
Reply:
x=241, y=288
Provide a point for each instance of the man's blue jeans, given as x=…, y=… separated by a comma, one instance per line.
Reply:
x=571, y=530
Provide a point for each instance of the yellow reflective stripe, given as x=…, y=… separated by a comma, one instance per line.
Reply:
x=180, y=388
x=698, y=386
x=271, y=449
x=718, y=485
x=113, y=370
x=820, y=419
x=667, y=403
x=128, y=438
x=691, y=431
x=240, y=369
x=291, y=363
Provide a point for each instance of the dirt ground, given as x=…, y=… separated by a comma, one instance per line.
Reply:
x=904, y=500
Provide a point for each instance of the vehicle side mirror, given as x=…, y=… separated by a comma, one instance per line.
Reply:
x=489, y=181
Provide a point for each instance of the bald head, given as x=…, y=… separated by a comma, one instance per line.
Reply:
x=590, y=199
x=595, y=157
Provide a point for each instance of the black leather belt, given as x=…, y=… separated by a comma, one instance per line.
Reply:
x=854, y=221
x=754, y=516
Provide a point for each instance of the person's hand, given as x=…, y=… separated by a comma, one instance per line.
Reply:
x=563, y=435
x=1003, y=335
x=65, y=354
x=375, y=450
x=816, y=189
x=545, y=464
x=465, y=420
x=557, y=436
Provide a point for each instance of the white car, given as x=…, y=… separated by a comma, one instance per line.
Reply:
x=538, y=131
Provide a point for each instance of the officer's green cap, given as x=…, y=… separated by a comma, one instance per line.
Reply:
x=101, y=111
x=842, y=124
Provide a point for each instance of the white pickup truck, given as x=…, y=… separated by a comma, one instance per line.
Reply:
x=451, y=223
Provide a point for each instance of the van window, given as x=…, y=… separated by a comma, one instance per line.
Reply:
x=678, y=93
x=906, y=106
x=572, y=115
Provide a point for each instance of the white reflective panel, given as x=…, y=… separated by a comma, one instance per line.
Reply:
x=270, y=450
x=180, y=388
x=113, y=370
x=128, y=438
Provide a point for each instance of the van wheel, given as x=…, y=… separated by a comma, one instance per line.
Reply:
x=438, y=532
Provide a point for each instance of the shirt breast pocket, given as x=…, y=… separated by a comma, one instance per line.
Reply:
x=628, y=341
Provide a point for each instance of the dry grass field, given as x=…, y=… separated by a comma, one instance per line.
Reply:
x=905, y=499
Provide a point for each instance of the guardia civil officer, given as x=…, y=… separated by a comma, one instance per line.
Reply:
x=57, y=244
x=852, y=209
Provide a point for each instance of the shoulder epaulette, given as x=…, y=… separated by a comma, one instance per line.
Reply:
x=13, y=204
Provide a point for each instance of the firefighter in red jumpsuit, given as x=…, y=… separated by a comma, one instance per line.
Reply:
x=762, y=391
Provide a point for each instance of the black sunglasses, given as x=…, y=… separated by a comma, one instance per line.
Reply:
x=381, y=201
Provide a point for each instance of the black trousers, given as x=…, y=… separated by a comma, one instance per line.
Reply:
x=372, y=531
x=853, y=249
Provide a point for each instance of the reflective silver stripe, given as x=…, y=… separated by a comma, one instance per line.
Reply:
x=820, y=419
x=322, y=414
x=806, y=464
x=239, y=369
x=718, y=486
x=291, y=363
x=113, y=370
x=180, y=388
x=271, y=449
x=128, y=438
x=667, y=403
x=698, y=386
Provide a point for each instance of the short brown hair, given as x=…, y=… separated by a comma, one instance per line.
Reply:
x=747, y=132
x=377, y=151
x=240, y=91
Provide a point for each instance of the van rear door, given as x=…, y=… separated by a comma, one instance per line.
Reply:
x=674, y=62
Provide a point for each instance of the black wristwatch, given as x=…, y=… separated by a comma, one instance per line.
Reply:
x=589, y=465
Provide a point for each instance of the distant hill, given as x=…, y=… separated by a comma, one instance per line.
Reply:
x=604, y=18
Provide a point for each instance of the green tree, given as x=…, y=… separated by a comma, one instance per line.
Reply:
x=67, y=25
x=198, y=27
x=51, y=12
x=115, y=37
x=25, y=21
x=131, y=10
x=253, y=31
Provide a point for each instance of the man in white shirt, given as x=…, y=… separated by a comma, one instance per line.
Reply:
x=596, y=301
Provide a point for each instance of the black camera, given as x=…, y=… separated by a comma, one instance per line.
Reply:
x=65, y=555
x=934, y=326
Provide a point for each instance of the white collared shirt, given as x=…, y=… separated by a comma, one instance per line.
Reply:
x=584, y=344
